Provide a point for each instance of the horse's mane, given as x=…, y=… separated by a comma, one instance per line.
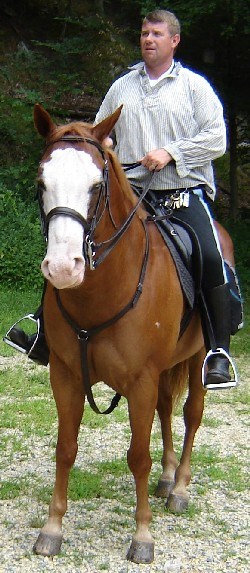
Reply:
x=121, y=177
x=86, y=130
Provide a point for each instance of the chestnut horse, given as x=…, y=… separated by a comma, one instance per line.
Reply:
x=130, y=287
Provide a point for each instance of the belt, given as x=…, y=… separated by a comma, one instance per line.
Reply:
x=172, y=191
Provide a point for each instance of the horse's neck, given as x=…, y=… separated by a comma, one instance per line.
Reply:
x=112, y=285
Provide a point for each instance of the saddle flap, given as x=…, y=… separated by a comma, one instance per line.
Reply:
x=181, y=241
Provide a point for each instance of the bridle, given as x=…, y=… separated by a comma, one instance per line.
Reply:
x=67, y=211
x=90, y=249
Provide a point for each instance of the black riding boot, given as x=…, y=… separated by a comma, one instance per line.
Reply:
x=217, y=363
x=34, y=345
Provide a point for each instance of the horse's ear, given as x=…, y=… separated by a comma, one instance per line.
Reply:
x=104, y=128
x=43, y=121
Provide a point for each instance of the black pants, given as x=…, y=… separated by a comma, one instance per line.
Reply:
x=198, y=216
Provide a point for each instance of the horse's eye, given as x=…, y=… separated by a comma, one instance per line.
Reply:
x=41, y=187
x=39, y=191
x=96, y=186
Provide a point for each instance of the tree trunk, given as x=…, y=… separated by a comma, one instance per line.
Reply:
x=234, y=200
x=99, y=6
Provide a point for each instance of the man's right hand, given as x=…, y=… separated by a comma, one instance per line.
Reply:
x=157, y=159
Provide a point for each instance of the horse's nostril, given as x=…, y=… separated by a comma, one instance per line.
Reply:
x=79, y=263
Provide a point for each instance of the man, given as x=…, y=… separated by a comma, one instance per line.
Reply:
x=172, y=122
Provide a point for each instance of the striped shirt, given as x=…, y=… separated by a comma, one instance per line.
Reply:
x=180, y=113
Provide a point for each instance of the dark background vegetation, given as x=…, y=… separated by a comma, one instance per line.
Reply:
x=64, y=54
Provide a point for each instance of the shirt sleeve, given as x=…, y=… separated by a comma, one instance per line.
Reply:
x=209, y=141
x=106, y=107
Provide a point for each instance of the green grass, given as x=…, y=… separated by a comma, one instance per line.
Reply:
x=11, y=489
x=98, y=482
x=34, y=417
x=13, y=305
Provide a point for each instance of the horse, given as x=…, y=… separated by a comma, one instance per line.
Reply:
x=113, y=306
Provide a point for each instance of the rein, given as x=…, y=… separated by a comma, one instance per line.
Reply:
x=85, y=335
x=112, y=242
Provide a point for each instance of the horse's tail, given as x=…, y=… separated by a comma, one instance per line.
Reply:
x=179, y=380
x=176, y=380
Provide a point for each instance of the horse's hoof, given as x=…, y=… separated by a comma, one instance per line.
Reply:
x=47, y=545
x=164, y=488
x=177, y=503
x=141, y=552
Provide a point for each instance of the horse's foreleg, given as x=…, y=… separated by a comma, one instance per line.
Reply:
x=70, y=402
x=142, y=404
x=193, y=410
x=169, y=460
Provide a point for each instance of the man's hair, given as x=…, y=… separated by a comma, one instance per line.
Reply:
x=164, y=16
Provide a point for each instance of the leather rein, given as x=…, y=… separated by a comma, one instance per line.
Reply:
x=90, y=249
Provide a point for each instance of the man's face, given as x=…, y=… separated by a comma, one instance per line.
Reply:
x=157, y=45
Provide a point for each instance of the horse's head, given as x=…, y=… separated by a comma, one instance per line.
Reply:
x=70, y=173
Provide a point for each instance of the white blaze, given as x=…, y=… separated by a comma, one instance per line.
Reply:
x=68, y=178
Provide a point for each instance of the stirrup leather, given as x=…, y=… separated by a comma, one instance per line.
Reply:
x=231, y=383
x=8, y=341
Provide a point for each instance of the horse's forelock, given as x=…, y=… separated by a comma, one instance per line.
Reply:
x=75, y=128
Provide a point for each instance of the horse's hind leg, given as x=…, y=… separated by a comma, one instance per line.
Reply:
x=169, y=460
x=193, y=410
x=70, y=401
x=142, y=404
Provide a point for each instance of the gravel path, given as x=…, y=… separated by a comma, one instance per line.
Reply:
x=213, y=538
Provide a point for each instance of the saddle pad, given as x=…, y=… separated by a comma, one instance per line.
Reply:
x=184, y=274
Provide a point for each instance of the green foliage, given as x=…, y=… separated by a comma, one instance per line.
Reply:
x=21, y=248
x=19, y=143
x=85, y=60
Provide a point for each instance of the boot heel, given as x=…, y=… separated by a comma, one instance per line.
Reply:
x=232, y=383
x=37, y=350
x=14, y=344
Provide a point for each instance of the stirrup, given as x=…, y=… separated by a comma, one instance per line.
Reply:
x=8, y=341
x=231, y=383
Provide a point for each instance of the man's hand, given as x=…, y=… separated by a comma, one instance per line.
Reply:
x=157, y=159
x=108, y=142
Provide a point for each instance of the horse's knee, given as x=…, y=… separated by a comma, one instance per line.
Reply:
x=192, y=416
x=139, y=463
x=66, y=453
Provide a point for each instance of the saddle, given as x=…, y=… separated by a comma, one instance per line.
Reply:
x=181, y=241
x=184, y=246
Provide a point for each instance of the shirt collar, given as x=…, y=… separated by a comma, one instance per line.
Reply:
x=173, y=71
